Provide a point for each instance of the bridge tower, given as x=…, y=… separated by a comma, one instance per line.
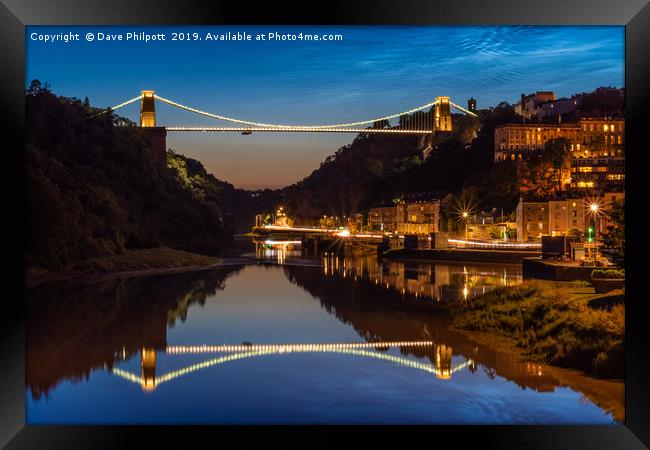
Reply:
x=147, y=109
x=148, y=362
x=442, y=114
x=157, y=135
x=443, y=361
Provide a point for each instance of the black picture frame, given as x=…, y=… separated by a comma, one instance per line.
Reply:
x=633, y=14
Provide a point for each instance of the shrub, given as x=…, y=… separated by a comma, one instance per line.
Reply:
x=608, y=273
x=551, y=327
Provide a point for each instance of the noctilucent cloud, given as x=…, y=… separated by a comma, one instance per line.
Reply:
x=371, y=72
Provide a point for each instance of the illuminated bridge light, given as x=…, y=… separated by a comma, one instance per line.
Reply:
x=291, y=347
x=247, y=126
x=237, y=356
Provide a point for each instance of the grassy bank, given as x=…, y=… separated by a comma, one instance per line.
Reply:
x=551, y=325
x=147, y=259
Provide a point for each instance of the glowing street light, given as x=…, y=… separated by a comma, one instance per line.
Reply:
x=464, y=209
x=594, y=208
x=465, y=217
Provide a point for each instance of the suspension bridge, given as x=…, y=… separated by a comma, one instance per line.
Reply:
x=424, y=119
x=148, y=380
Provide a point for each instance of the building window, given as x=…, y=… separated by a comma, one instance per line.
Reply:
x=541, y=226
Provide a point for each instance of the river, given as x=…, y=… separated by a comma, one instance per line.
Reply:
x=273, y=337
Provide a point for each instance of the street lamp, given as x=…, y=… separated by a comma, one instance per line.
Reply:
x=465, y=217
x=594, y=208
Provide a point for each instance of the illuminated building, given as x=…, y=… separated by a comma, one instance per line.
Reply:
x=560, y=217
x=558, y=107
x=598, y=173
x=383, y=218
x=418, y=217
x=409, y=217
x=528, y=105
x=532, y=220
x=588, y=137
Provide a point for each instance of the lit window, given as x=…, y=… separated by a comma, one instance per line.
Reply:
x=605, y=128
x=611, y=127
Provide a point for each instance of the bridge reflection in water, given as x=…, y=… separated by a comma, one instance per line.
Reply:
x=277, y=251
x=442, y=282
x=442, y=355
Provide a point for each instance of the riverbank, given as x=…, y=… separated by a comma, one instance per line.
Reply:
x=535, y=267
x=129, y=262
x=551, y=323
x=470, y=255
x=609, y=394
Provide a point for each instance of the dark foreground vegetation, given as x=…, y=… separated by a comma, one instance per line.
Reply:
x=552, y=327
x=95, y=189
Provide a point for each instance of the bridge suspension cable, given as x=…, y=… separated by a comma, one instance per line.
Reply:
x=135, y=99
x=466, y=111
x=285, y=126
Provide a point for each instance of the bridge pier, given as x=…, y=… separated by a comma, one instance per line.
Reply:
x=443, y=361
x=157, y=136
x=148, y=363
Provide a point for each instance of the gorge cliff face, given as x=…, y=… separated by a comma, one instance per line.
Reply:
x=94, y=186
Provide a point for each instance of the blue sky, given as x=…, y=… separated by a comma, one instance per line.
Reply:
x=373, y=71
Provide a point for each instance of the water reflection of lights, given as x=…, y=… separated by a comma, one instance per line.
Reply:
x=497, y=244
x=182, y=349
x=278, y=250
x=442, y=369
x=438, y=282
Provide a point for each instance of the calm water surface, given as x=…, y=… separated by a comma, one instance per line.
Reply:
x=130, y=350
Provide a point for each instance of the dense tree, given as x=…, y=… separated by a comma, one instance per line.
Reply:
x=543, y=172
x=94, y=188
x=603, y=102
x=613, y=238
